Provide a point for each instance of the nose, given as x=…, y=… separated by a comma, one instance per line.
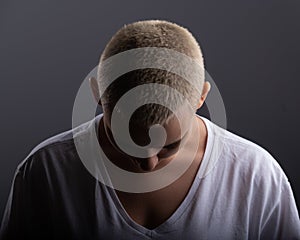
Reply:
x=148, y=164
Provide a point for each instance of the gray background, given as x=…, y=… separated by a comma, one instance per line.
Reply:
x=251, y=50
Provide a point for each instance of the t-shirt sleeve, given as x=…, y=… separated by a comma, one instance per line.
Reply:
x=14, y=220
x=28, y=212
x=282, y=222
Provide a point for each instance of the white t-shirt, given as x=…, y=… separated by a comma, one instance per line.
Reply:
x=239, y=192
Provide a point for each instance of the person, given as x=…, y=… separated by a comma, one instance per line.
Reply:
x=231, y=188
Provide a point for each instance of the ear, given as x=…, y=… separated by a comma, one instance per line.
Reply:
x=205, y=90
x=95, y=89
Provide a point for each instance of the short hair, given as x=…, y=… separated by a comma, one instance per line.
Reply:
x=159, y=34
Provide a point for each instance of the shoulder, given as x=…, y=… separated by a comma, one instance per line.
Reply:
x=240, y=149
x=247, y=160
x=249, y=170
x=250, y=176
x=55, y=152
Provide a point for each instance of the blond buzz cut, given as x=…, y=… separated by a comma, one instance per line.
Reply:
x=158, y=34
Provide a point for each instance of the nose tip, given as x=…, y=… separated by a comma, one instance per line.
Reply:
x=148, y=164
